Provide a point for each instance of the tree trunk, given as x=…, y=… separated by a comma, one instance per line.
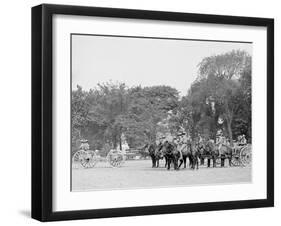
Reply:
x=120, y=144
x=120, y=139
x=229, y=132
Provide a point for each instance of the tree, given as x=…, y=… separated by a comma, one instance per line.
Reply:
x=223, y=75
x=114, y=110
x=108, y=104
x=228, y=65
x=79, y=113
x=198, y=110
x=148, y=107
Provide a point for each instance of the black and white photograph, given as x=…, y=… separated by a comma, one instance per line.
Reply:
x=154, y=112
x=141, y=112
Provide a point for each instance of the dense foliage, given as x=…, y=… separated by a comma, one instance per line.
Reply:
x=220, y=98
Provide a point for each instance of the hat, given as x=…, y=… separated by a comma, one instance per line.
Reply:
x=181, y=134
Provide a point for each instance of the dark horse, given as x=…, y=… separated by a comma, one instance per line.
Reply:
x=171, y=154
x=155, y=154
x=194, y=155
x=202, y=150
x=211, y=152
x=225, y=152
x=214, y=152
x=191, y=151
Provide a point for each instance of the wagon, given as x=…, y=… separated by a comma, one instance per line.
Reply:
x=242, y=155
x=89, y=158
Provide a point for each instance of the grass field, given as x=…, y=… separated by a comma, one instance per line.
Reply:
x=139, y=174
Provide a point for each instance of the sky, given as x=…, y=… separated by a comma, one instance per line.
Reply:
x=141, y=61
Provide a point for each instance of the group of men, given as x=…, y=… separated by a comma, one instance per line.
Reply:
x=182, y=139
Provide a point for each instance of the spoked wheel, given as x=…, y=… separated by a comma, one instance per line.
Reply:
x=218, y=161
x=76, y=159
x=246, y=155
x=88, y=159
x=116, y=158
x=235, y=161
x=76, y=156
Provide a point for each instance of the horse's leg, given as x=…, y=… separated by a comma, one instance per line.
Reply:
x=184, y=161
x=157, y=163
x=190, y=161
x=168, y=163
x=153, y=162
x=197, y=163
x=201, y=161
x=177, y=163
x=181, y=161
x=214, y=161
x=222, y=161
x=230, y=160
x=209, y=162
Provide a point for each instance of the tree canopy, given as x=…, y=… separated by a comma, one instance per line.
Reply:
x=219, y=99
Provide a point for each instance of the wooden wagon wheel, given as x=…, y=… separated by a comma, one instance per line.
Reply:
x=76, y=156
x=246, y=155
x=88, y=159
x=218, y=160
x=236, y=160
x=76, y=159
x=116, y=158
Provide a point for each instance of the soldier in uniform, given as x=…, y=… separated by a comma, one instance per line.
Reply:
x=84, y=145
x=243, y=140
x=178, y=144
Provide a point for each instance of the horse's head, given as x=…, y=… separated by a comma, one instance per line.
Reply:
x=200, y=147
x=167, y=148
x=151, y=149
x=159, y=151
x=193, y=147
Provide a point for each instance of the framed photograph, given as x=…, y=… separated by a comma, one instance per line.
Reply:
x=145, y=112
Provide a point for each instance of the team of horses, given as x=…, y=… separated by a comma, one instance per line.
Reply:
x=196, y=153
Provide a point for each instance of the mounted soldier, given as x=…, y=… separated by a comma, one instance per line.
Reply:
x=242, y=141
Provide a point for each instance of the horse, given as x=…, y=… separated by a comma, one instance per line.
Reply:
x=171, y=154
x=154, y=153
x=202, y=151
x=151, y=151
x=159, y=154
x=194, y=155
x=225, y=152
x=212, y=152
x=185, y=150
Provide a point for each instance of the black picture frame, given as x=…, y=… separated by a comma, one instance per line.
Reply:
x=42, y=107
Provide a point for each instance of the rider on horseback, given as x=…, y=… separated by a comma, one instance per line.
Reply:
x=242, y=140
x=180, y=144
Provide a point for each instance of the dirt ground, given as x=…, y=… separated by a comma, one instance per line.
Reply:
x=139, y=174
